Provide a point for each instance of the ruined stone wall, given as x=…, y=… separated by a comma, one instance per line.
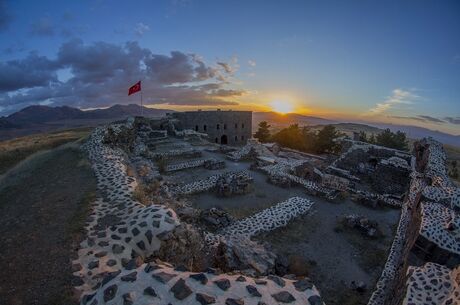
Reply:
x=232, y=127
x=390, y=287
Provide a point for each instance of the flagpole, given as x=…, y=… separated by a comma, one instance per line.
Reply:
x=142, y=108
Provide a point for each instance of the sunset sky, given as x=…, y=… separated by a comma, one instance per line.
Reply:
x=378, y=61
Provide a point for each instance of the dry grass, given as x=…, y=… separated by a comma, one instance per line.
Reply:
x=145, y=193
x=453, y=154
x=16, y=150
x=130, y=171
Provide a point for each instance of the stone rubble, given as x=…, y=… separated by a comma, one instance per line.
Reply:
x=122, y=234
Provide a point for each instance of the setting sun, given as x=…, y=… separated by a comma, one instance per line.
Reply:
x=281, y=106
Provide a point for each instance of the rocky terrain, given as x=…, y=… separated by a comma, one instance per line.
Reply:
x=180, y=220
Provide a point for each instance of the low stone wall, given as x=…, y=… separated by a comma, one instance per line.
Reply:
x=425, y=219
x=121, y=233
x=206, y=184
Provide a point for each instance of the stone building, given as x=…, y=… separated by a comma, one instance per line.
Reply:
x=223, y=127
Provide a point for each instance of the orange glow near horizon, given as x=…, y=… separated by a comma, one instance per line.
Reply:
x=281, y=106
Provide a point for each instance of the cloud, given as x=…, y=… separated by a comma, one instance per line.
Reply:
x=252, y=63
x=420, y=118
x=43, y=27
x=399, y=96
x=29, y=72
x=100, y=73
x=431, y=119
x=230, y=67
x=5, y=16
x=453, y=120
x=140, y=29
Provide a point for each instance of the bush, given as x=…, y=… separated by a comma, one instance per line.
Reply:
x=162, y=163
x=304, y=139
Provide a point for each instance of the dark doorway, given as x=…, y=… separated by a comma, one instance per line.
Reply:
x=223, y=140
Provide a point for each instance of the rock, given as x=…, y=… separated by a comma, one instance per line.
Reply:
x=204, y=299
x=100, y=254
x=181, y=290
x=231, y=301
x=303, y=284
x=129, y=265
x=283, y=297
x=163, y=277
x=260, y=282
x=281, y=265
x=186, y=213
x=241, y=279
x=110, y=292
x=181, y=268
x=277, y=280
x=117, y=249
x=165, y=235
x=223, y=284
x=93, y=264
x=128, y=299
x=151, y=267
x=76, y=267
x=87, y=297
x=76, y=281
x=200, y=277
x=253, y=291
x=150, y=291
x=110, y=276
x=315, y=300
x=111, y=262
x=131, y=277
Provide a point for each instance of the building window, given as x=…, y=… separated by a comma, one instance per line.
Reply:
x=242, y=125
x=196, y=127
x=236, y=126
x=204, y=127
x=218, y=126
x=225, y=126
x=236, y=138
x=216, y=140
x=242, y=138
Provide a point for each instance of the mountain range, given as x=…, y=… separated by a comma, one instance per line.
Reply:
x=37, y=118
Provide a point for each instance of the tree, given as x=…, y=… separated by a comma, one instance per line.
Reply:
x=325, y=140
x=392, y=140
x=362, y=136
x=263, y=133
x=371, y=139
x=291, y=137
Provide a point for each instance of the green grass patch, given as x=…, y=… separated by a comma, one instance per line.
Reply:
x=14, y=151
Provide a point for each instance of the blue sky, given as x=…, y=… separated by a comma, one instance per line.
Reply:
x=386, y=61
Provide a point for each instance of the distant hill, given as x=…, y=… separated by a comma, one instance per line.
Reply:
x=37, y=114
x=282, y=120
x=37, y=118
x=416, y=132
x=279, y=119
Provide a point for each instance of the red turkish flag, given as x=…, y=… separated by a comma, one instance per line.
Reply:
x=135, y=88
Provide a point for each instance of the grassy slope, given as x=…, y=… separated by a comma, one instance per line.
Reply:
x=42, y=227
x=16, y=150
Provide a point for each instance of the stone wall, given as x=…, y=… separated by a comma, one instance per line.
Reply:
x=223, y=127
x=425, y=228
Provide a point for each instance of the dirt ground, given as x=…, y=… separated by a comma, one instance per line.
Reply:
x=43, y=205
x=333, y=257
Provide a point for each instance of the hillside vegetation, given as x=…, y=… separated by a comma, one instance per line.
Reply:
x=14, y=151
